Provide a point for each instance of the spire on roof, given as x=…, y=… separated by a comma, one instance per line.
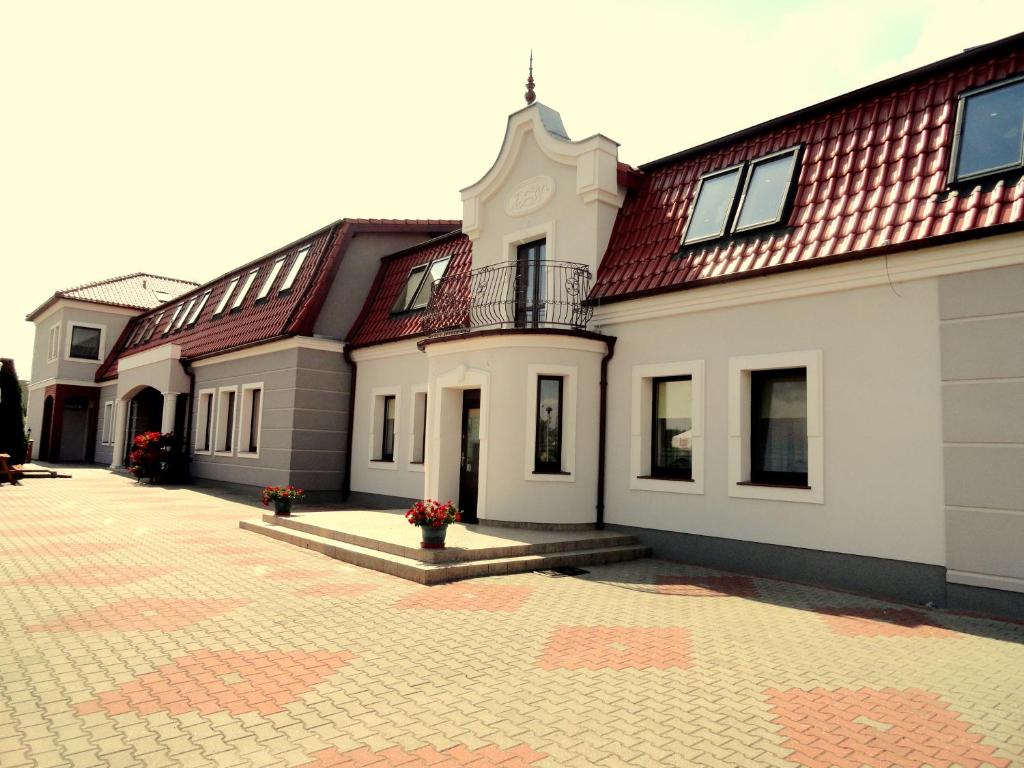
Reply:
x=530, y=95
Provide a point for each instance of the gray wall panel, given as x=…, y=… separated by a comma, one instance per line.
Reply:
x=991, y=348
x=987, y=292
x=990, y=476
x=983, y=412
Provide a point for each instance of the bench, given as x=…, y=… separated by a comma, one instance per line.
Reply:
x=6, y=470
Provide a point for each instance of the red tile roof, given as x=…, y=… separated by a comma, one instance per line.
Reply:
x=136, y=291
x=376, y=324
x=873, y=175
x=290, y=313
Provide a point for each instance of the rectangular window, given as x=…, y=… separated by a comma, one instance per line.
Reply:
x=244, y=290
x=184, y=314
x=152, y=327
x=251, y=419
x=274, y=270
x=54, y=348
x=226, y=297
x=990, y=130
x=778, y=427
x=412, y=286
x=387, y=445
x=766, y=191
x=293, y=272
x=136, y=334
x=547, y=455
x=529, y=289
x=108, y=422
x=716, y=193
x=434, y=274
x=194, y=316
x=85, y=342
x=204, y=421
x=225, y=440
x=419, y=426
x=170, y=323
x=672, y=428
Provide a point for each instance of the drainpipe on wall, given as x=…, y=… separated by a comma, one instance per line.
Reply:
x=346, y=484
x=187, y=447
x=602, y=431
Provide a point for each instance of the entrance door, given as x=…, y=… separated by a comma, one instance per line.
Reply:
x=530, y=284
x=469, y=469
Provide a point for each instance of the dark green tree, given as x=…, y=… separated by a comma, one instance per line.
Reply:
x=12, y=422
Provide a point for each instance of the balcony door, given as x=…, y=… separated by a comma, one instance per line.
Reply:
x=529, y=288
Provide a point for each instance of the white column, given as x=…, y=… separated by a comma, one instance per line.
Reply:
x=120, y=427
x=167, y=423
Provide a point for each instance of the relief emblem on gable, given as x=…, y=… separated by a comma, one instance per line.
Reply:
x=529, y=195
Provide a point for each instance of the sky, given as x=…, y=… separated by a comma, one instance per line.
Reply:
x=186, y=138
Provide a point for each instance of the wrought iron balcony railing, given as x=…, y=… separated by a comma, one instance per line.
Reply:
x=515, y=294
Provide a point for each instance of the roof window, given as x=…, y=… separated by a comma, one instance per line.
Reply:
x=989, y=130
x=183, y=315
x=419, y=285
x=226, y=297
x=244, y=290
x=199, y=308
x=289, y=279
x=766, y=183
x=170, y=323
x=152, y=327
x=274, y=271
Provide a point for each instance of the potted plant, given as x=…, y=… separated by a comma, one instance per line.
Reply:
x=433, y=519
x=282, y=496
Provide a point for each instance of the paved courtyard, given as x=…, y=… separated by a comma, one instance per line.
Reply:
x=140, y=626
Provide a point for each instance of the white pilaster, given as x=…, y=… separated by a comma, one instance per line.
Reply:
x=120, y=426
x=167, y=422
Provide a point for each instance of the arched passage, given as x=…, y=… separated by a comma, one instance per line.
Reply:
x=145, y=410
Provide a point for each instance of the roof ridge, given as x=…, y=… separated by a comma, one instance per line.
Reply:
x=118, y=278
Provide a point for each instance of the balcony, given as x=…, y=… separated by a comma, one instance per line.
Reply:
x=526, y=294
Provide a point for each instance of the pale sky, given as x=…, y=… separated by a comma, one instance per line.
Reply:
x=186, y=138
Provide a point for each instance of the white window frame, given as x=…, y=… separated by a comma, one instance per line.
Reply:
x=72, y=324
x=194, y=315
x=107, y=435
x=271, y=277
x=201, y=417
x=376, y=435
x=740, y=369
x=245, y=422
x=53, y=350
x=417, y=435
x=243, y=292
x=226, y=296
x=641, y=402
x=293, y=270
x=570, y=387
x=221, y=422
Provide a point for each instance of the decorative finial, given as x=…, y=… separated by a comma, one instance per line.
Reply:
x=530, y=95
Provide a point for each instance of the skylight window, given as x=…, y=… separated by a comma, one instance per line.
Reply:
x=765, y=183
x=226, y=297
x=274, y=271
x=990, y=130
x=136, y=334
x=199, y=308
x=244, y=290
x=289, y=279
x=183, y=315
x=426, y=289
x=152, y=327
x=412, y=284
x=177, y=311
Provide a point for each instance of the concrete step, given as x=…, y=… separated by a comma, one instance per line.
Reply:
x=413, y=551
x=439, y=573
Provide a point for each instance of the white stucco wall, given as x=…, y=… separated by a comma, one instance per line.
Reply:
x=881, y=421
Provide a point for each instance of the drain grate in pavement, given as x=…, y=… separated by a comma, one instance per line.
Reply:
x=565, y=570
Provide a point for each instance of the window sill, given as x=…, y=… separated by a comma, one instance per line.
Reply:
x=202, y=453
x=82, y=359
x=794, y=486
x=383, y=461
x=416, y=463
x=223, y=453
x=551, y=472
x=663, y=477
x=248, y=454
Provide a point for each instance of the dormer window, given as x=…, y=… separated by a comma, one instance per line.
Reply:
x=989, y=131
x=762, y=187
x=419, y=285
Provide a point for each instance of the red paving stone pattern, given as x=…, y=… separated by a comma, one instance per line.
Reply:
x=67, y=549
x=83, y=576
x=467, y=596
x=145, y=614
x=211, y=681
x=707, y=586
x=427, y=757
x=337, y=590
x=294, y=574
x=899, y=622
x=617, y=648
x=878, y=728
x=41, y=531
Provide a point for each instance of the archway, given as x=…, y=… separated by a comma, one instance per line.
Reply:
x=44, y=436
x=145, y=411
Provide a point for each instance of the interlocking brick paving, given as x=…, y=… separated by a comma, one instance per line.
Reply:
x=449, y=675
x=617, y=648
x=877, y=728
x=41, y=531
x=881, y=622
x=337, y=590
x=82, y=576
x=294, y=574
x=144, y=614
x=707, y=586
x=210, y=681
x=474, y=595
x=427, y=757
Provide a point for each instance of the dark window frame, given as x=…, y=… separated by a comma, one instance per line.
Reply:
x=229, y=423
x=529, y=305
x=404, y=301
x=745, y=169
x=758, y=475
x=658, y=472
x=952, y=177
x=387, y=453
x=423, y=433
x=549, y=467
x=99, y=342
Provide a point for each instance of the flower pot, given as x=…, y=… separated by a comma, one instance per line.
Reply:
x=433, y=538
x=282, y=507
